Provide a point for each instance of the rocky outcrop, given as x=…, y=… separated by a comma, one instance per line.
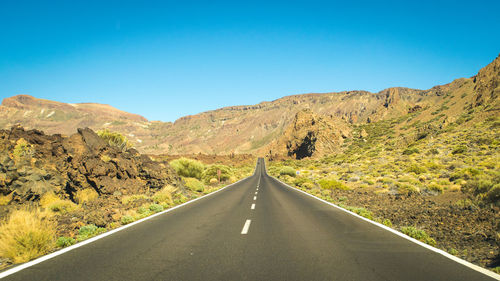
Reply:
x=64, y=165
x=310, y=134
x=487, y=84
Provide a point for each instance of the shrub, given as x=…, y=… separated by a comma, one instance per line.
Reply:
x=143, y=212
x=433, y=151
x=459, y=149
x=331, y=184
x=52, y=202
x=414, y=168
x=418, y=234
x=387, y=222
x=127, y=219
x=115, y=139
x=211, y=172
x=188, y=167
x=362, y=212
x=478, y=186
x=63, y=241
x=88, y=231
x=410, y=151
x=194, y=184
x=214, y=181
x=407, y=189
x=26, y=235
x=155, y=208
x=303, y=182
x=288, y=171
x=86, y=195
x=164, y=196
x=22, y=149
x=435, y=187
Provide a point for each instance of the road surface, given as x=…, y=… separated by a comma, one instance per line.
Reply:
x=257, y=229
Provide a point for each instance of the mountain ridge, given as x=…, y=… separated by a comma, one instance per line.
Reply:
x=258, y=128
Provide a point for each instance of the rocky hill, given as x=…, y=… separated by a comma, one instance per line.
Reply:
x=265, y=126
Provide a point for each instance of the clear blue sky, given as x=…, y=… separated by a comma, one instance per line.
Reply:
x=167, y=59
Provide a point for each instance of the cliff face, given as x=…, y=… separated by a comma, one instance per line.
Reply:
x=311, y=135
x=487, y=84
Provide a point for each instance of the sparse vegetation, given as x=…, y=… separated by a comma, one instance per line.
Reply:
x=418, y=234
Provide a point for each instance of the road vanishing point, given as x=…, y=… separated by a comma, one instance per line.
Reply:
x=255, y=229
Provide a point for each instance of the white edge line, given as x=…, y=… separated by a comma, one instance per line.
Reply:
x=95, y=238
x=246, y=227
x=439, y=251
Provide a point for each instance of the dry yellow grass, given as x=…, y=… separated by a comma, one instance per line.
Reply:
x=164, y=195
x=26, y=235
x=131, y=198
x=55, y=204
x=86, y=195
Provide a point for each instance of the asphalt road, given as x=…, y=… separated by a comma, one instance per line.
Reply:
x=286, y=236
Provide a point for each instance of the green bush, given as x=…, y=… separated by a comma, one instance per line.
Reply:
x=88, y=231
x=418, y=234
x=303, y=182
x=414, y=168
x=126, y=220
x=188, y=167
x=407, y=189
x=155, y=208
x=288, y=171
x=65, y=241
x=459, y=149
x=194, y=184
x=361, y=211
x=410, y=151
x=387, y=222
x=115, y=139
x=22, y=149
x=435, y=187
x=211, y=172
x=331, y=184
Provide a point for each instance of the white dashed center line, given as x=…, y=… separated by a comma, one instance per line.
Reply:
x=253, y=207
x=246, y=227
x=255, y=192
x=255, y=198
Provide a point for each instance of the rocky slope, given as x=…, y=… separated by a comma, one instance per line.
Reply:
x=33, y=163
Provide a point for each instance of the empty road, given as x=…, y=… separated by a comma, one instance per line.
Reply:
x=257, y=229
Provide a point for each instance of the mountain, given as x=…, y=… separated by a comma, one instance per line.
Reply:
x=271, y=127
